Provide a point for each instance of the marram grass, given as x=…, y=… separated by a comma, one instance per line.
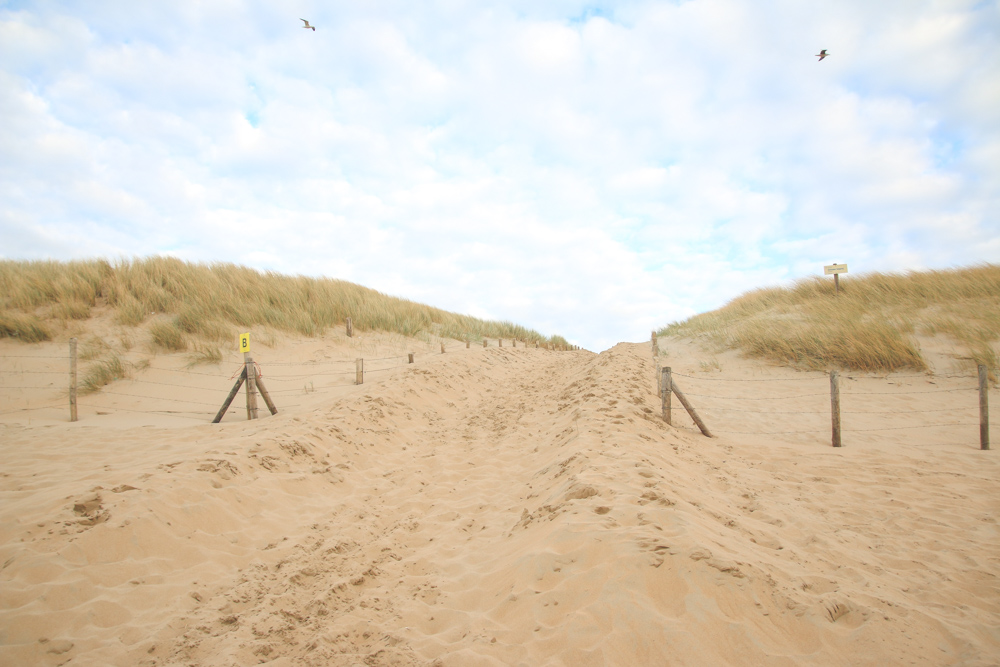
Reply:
x=215, y=302
x=868, y=326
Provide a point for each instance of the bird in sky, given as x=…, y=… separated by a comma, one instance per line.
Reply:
x=307, y=26
x=822, y=54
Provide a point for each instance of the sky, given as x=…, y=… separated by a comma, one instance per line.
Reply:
x=593, y=170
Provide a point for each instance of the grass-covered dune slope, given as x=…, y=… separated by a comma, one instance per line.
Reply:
x=39, y=298
x=872, y=325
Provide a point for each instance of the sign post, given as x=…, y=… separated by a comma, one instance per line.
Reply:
x=251, y=376
x=835, y=270
x=254, y=382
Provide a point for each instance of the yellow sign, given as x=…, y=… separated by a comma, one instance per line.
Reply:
x=834, y=269
x=245, y=342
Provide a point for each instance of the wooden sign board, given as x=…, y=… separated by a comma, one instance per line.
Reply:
x=834, y=269
x=245, y=342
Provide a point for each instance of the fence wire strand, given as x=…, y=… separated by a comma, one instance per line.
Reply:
x=845, y=393
x=125, y=388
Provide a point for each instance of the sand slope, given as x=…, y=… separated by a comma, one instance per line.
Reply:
x=500, y=507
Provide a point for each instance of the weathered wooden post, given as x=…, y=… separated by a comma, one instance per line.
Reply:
x=350, y=328
x=442, y=348
x=72, y=380
x=484, y=342
x=232, y=394
x=835, y=406
x=266, y=396
x=251, y=386
x=467, y=343
x=411, y=357
x=359, y=371
x=499, y=342
x=665, y=383
x=984, y=409
x=690, y=408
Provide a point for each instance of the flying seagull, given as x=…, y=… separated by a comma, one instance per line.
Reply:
x=822, y=54
x=307, y=27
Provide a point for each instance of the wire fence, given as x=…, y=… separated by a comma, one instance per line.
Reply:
x=869, y=405
x=36, y=383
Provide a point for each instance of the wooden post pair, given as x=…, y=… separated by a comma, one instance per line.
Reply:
x=254, y=382
x=984, y=409
x=668, y=387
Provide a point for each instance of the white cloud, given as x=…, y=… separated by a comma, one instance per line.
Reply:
x=589, y=172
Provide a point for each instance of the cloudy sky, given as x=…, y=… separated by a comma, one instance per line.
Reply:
x=588, y=169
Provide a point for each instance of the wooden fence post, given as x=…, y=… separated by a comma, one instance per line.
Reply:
x=835, y=407
x=72, y=380
x=359, y=371
x=411, y=357
x=467, y=343
x=665, y=394
x=251, y=386
x=690, y=408
x=232, y=394
x=984, y=409
x=263, y=394
x=350, y=328
x=442, y=348
x=500, y=342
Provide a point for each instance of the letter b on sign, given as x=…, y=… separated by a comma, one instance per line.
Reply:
x=245, y=342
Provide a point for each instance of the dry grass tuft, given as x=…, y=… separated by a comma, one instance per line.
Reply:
x=94, y=348
x=25, y=327
x=168, y=335
x=205, y=354
x=104, y=372
x=869, y=326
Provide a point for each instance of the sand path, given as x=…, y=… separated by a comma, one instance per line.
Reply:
x=495, y=507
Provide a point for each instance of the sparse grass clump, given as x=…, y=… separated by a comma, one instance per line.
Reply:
x=869, y=326
x=72, y=310
x=168, y=335
x=104, y=372
x=205, y=354
x=23, y=327
x=558, y=340
x=93, y=348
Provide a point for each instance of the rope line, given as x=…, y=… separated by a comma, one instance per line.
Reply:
x=35, y=372
x=156, y=398
x=824, y=377
x=30, y=386
x=41, y=407
x=30, y=356
x=694, y=377
x=757, y=398
x=823, y=412
x=903, y=393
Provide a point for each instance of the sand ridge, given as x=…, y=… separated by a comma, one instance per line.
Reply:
x=494, y=507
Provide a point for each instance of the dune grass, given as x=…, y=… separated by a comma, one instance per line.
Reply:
x=214, y=302
x=205, y=354
x=868, y=326
x=103, y=372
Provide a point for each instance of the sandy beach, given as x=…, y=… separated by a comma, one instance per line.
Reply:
x=497, y=506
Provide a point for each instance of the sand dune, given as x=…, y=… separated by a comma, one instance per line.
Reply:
x=502, y=507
